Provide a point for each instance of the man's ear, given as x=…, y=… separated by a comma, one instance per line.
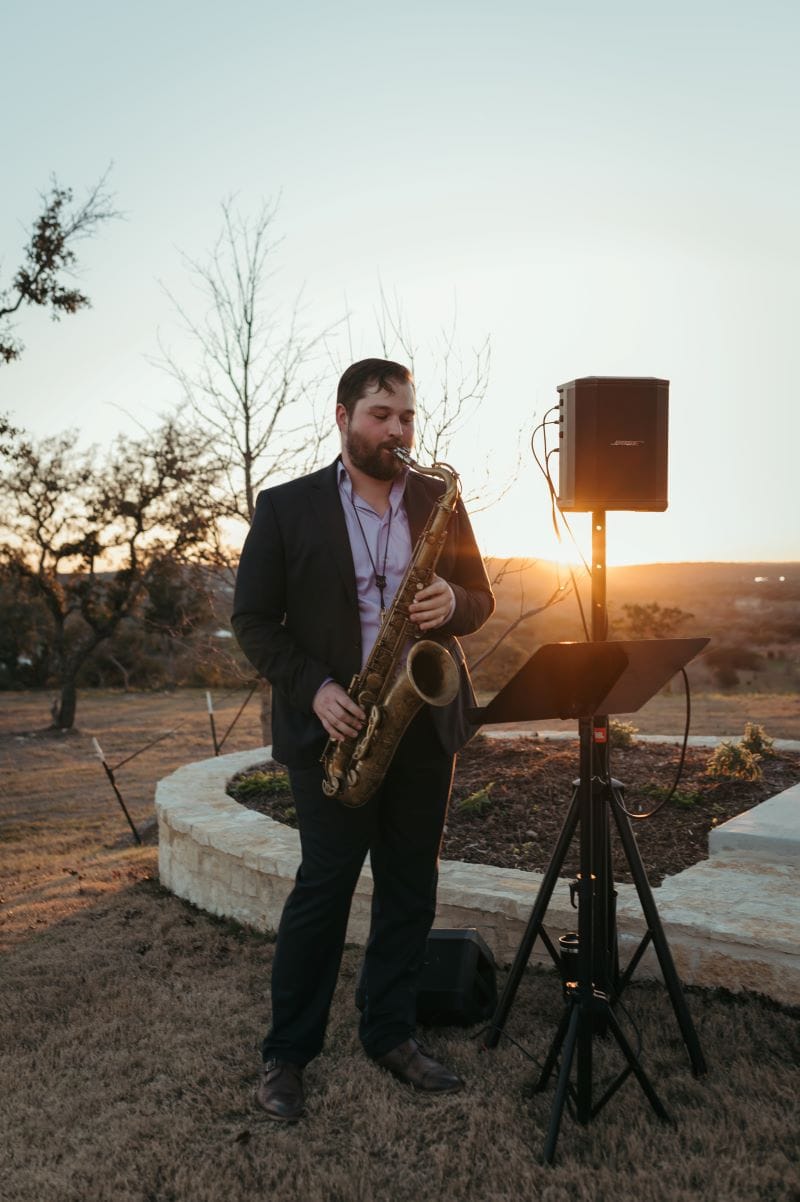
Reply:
x=341, y=418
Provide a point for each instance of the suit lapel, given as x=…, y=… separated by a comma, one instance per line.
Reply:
x=327, y=505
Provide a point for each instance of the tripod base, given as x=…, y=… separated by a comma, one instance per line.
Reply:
x=581, y=1018
x=598, y=982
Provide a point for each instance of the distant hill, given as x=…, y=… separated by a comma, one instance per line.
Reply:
x=753, y=608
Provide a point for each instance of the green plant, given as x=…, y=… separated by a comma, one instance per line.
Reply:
x=680, y=798
x=477, y=802
x=621, y=734
x=269, y=784
x=756, y=739
x=685, y=800
x=734, y=760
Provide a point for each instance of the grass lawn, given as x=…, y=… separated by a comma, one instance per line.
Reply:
x=130, y=1023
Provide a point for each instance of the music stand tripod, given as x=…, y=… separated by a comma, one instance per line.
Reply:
x=582, y=680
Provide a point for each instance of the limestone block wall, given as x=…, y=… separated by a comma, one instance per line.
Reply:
x=732, y=920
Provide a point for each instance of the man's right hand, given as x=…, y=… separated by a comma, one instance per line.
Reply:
x=341, y=717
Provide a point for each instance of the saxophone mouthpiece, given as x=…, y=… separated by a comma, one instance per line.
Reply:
x=402, y=454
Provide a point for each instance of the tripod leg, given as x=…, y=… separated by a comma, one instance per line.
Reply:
x=562, y=1086
x=635, y=1066
x=534, y=925
x=555, y=1048
x=660, y=944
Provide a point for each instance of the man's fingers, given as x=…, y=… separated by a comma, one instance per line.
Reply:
x=339, y=714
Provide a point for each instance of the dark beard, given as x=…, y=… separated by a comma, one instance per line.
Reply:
x=371, y=461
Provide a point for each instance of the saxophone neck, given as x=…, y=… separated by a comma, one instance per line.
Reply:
x=442, y=471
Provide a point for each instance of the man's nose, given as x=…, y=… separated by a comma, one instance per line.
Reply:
x=395, y=426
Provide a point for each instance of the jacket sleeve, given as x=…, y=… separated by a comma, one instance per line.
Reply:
x=468, y=580
x=259, y=611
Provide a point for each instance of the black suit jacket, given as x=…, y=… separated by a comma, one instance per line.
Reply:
x=295, y=610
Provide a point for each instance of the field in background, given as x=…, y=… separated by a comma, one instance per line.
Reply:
x=750, y=612
x=64, y=838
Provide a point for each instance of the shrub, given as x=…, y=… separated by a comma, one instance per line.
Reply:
x=734, y=760
x=621, y=734
x=757, y=740
x=478, y=801
x=261, y=784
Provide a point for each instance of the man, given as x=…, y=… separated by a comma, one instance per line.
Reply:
x=323, y=560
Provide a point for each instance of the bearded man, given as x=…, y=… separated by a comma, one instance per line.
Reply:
x=322, y=561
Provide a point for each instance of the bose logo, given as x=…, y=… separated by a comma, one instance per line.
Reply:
x=628, y=442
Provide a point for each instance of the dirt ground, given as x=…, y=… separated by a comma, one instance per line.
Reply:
x=511, y=796
x=64, y=839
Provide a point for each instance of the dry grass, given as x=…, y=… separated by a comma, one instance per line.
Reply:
x=130, y=1025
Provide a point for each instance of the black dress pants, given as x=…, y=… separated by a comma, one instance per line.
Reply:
x=401, y=827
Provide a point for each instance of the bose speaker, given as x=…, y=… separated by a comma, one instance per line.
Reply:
x=613, y=443
x=458, y=986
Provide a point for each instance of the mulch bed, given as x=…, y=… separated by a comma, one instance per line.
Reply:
x=510, y=798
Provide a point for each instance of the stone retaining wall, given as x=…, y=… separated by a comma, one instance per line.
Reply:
x=732, y=920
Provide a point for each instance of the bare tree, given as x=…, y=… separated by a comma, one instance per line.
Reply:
x=257, y=369
x=256, y=373
x=449, y=393
x=49, y=256
x=89, y=537
x=445, y=409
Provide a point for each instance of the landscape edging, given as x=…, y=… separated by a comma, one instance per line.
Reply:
x=237, y=863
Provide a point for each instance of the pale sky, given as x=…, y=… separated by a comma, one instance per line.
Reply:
x=602, y=189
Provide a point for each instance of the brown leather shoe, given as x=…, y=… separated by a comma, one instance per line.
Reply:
x=280, y=1091
x=413, y=1065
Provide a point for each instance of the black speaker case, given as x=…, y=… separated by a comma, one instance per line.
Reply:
x=458, y=986
x=613, y=442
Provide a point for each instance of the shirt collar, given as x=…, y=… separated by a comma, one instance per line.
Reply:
x=395, y=494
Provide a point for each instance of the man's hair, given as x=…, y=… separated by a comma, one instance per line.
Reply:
x=368, y=373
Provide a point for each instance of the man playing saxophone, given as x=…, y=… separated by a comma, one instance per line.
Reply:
x=319, y=571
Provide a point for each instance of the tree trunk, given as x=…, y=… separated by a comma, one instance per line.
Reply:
x=64, y=709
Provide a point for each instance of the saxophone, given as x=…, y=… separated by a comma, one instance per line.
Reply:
x=355, y=766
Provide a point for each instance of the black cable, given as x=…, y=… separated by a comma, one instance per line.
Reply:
x=555, y=512
x=651, y=813
x=580, y=605
x=505, y=1035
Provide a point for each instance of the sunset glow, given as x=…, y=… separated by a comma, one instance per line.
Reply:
x=634, y=222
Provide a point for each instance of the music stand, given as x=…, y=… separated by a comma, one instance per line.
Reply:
x=582, y=680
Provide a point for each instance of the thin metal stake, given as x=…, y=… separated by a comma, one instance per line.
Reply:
x=210, y=705
x=110, y=776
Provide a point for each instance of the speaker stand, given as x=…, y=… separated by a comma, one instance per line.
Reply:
x=598, y=983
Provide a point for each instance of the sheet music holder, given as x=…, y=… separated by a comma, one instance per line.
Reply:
x=578, y=680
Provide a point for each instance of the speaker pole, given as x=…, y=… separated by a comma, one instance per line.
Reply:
x=604, y=935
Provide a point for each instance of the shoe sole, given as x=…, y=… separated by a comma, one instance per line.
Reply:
x=278, y=1118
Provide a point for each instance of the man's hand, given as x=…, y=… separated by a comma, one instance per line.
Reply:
x=432, y=605
x=340, y=716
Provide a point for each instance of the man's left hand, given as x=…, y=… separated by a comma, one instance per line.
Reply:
x=432, y=605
